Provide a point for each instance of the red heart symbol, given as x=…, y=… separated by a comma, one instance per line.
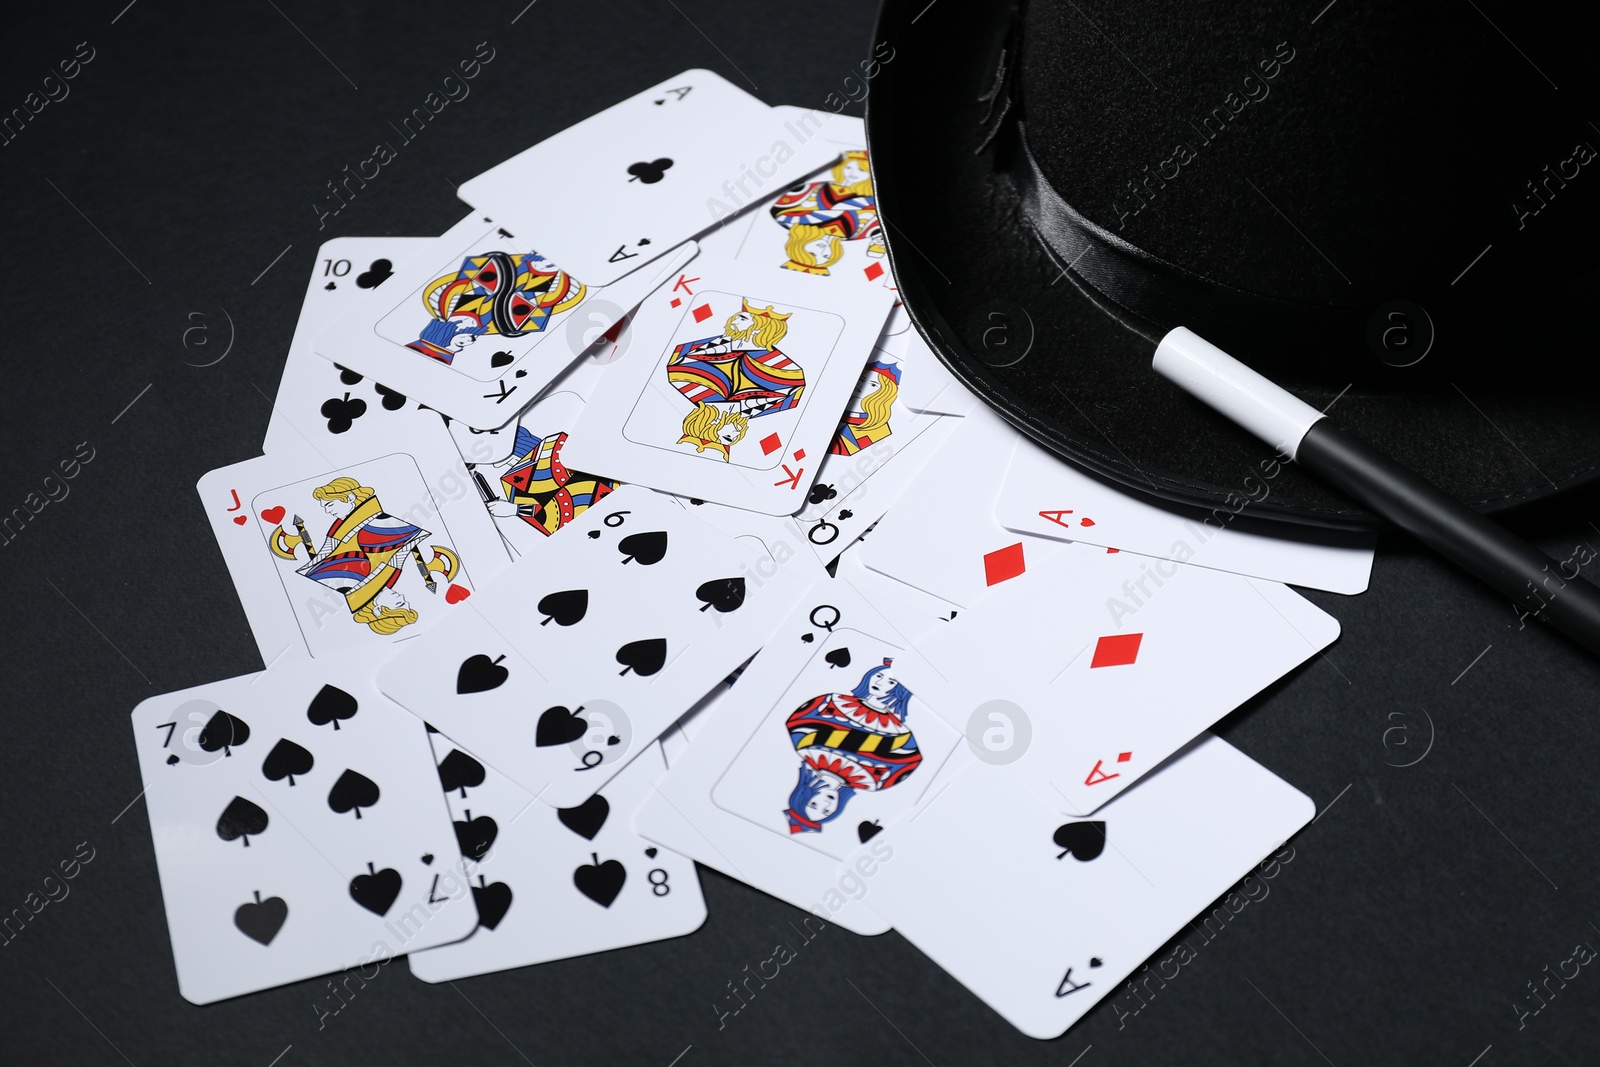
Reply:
x=1088, y=522
x=273, y=515
x=456, y=594
x=239, y=520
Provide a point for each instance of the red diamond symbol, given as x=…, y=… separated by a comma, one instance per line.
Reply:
x=1113, y=550
x=1124, y=757
x=1115, y=650
x=1003, y=564
x=799, y=454
x=702, y=313
x=770, y=444
x=874, y=272
x=676, y=302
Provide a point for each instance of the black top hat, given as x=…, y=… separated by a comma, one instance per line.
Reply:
x=1385, y=207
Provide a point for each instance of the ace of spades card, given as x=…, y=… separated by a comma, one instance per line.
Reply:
x=844, y=751
x=463, y=326
x=298, y=828
x=613, y=191
x=553, y=883
x=362, y=555
x=582, y=653
x=1096, y=897
x=321, y=406
x=729, y=392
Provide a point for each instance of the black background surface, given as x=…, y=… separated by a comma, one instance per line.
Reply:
x=187, y=157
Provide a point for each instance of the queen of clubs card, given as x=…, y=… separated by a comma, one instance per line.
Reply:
x=497, y=294
x=866, y=421
x=734, y=377
x=822, y=216
x=847, y=742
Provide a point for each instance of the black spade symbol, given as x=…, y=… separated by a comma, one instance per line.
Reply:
x=241, y=819
x=651, y=852
x=586, y=819
x=427, y=858
x=644, y=240
x=375, y=890
x=643, y=657
x=224, y=731
x=171, y=760
x=476, y=836
x=331, y=704
x=647, y=548
x=724, y=594
x=348, y=376
x=594, y=534
x=493, y=901
x=342, y=414
x=613, y=740
x=820, y=493
x=558, y=726
x=839, y=657
x=286, y=760
x=649, y=173
x=262, y=920
x=522, y=374
x=600, y=882
x=867, y=831
x=352, y=792
x=458, y=771
x=500, y=359
x=480, y=673
x=392, y=401
x=1095, y=961
x=375, y=275
x=564, y=608
x=808, y=638
x=1085, y=840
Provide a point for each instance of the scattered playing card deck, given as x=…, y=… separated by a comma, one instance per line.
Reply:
x=594, y=539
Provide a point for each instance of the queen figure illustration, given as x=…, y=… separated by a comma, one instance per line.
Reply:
x=847, y=742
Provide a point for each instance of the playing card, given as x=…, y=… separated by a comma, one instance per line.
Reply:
x=850, y=727
x=608, y=194
x=298, y=828
x=523, y=478
x=861, y=478
x=1090, y=899
x=463, y=325
x=682, y=814
x=1112, y=662
x=934, y=388
x=529, y=678
x=956, y=554
x=553, y=883
x=352, y=549
x=732, y=392
x=1048, y=497
x=909, y=610
x=320, y=406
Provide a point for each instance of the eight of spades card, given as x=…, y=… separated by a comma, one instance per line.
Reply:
x=730, y=392
x=558, y=882
x=529, y=679
x=298, y=827
x=611, y=193
x=1083, y=902
x=463, y=324
x=370, y=552
x=849, y=728
x=321, y=407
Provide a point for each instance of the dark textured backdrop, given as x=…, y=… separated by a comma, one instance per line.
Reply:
x=176, y=182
